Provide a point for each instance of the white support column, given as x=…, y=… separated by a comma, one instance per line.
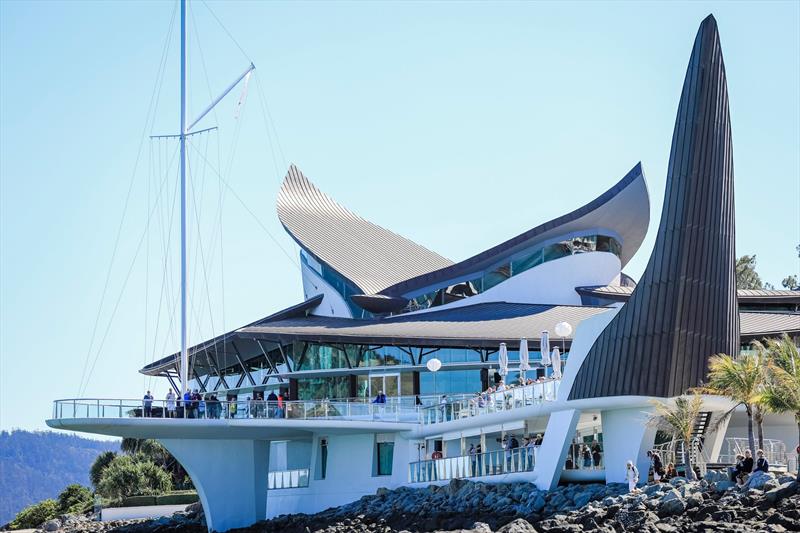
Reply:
x=715, y=438
x=626, y=437
x=552, y=454
x=230, y=477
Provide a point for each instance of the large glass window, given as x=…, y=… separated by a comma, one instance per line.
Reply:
x=327, y=387
x=519, y=263
x=385, y=458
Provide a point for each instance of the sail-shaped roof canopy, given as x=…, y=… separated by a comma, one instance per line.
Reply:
x=368, y=255
x=377, y=260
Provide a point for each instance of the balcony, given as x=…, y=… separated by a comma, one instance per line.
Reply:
x=468, y=406
x=491, y=463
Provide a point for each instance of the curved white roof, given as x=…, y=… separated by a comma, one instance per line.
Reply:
x=370, y=256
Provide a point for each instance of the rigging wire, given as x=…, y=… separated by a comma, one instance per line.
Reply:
x=119, y=299
x=226, y=31
x=255, y=217
x=149, y=119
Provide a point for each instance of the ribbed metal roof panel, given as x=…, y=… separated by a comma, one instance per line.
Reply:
x=370, y=256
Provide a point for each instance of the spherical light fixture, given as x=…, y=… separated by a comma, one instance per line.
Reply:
x=563, y=329
x=433, y=364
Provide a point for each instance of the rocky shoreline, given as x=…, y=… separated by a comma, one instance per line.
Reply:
x=766, y=504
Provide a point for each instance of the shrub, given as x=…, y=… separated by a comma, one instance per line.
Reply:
x=132, y=476
x=100, y=464
x=74, y=499
x=33, y=515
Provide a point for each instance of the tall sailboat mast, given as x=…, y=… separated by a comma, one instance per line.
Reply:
x=184, y=133
x=184, y=296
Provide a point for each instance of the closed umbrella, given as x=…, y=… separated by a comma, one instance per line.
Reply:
x=524, y=364
x=556, y=360
x=545, y=348
x=503, y=360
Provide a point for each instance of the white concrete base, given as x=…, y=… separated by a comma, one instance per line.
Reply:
x=110, y=514
x=230, y=477
x=626, y=437
x=557, y=438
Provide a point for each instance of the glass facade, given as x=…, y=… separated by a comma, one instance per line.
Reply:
x=518, y=264
x=323, y=387
x=340, y=284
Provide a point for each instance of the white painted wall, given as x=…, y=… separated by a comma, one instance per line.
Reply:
x=332, y=304
x=626, y=437
x=557, y=438
x=349, y=475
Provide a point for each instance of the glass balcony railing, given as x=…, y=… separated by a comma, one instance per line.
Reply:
x=467, y=406
x=351, y=409
x=287, y=479
x=464, y=466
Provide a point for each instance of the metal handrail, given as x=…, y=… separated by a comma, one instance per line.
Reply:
x=237, y=409
x=471, y=405
x=490, y=463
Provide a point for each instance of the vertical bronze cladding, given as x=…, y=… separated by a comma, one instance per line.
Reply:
x=684, y=308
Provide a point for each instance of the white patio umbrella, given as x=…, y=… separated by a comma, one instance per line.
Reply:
x=524, y=364
x=545, y=348
x=503, y=360
x=556, y=360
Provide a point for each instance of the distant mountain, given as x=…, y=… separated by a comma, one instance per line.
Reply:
x=38, y=465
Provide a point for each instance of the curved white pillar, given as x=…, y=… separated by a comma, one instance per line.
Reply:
x=230, y=476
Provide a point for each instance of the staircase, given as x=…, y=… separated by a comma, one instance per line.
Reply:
x=672, y=452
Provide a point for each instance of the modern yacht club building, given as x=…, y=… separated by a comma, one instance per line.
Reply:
x=384, y=315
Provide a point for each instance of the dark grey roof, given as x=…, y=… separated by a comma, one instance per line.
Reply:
x=684, y=307
x=478, y=325
x=217, y=346
x=370, y=256
x=621, y=294
x=757, y=324
x=623, y=209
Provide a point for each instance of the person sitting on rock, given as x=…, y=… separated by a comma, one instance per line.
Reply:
x=747, y=467
x=670, y=473
x=762, y=465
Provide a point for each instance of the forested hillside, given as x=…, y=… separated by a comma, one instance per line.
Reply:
x=38, y=465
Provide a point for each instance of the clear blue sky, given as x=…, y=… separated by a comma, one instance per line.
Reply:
x=471, y=122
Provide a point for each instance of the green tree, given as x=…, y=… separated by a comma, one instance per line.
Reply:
x=74, y=499
x=746, y=275
x=33, y=515
x=100, y=464
x=740, y=380
x=790, y=282
x=133, y=476
x=782, y=392
x=678, y=420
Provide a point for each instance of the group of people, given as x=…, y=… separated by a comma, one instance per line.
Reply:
x=660, y=474
x=584, y=456
x=193, y=404
x=745, y=466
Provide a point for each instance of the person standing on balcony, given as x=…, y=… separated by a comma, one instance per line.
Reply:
x=272, y=402
x=380, y=398
x=187, y=404
x=171, y=404
x=201, y=407
x=279, y=412
x=473, y=458
x=148, y=405
x=597, y=454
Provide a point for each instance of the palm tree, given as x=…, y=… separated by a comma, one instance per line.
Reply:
x=782, y=391
x=739, y=379
x=678, y=420
x=762, y=357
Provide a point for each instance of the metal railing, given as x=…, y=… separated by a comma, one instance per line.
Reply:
x=239, y=409
x=467, y=406
x=774, y=451
x=463, y=466
x=287, y=479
